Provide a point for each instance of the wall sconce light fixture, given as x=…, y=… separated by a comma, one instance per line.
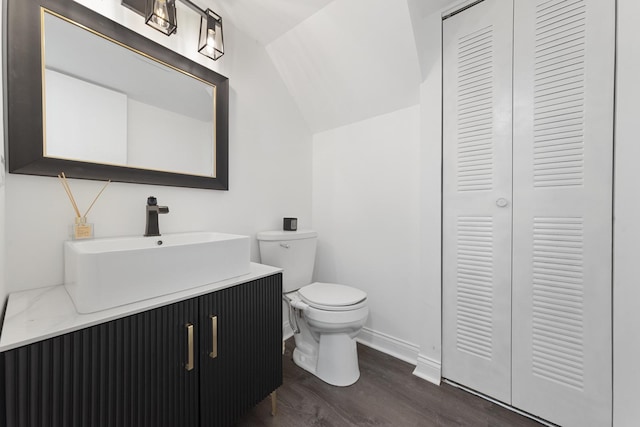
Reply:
x=211, y=43
x=161, y=15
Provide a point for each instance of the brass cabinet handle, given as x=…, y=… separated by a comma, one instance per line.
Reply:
x=214, y=337
x=189, y=365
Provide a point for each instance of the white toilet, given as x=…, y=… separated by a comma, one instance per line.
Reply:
x=325, y=317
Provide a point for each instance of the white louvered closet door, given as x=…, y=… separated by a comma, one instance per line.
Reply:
x=477, y=49
x=563, y=147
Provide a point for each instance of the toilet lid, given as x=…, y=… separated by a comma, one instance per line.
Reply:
x=331, y=295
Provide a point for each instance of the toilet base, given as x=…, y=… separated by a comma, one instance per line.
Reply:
x=334, y=361
x=305, y=361
x=338, y=360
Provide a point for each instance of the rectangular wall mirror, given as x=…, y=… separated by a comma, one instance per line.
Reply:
x=89, y=97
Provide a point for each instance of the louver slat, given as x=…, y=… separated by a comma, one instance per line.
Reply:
x=558, y=125
x=474, y=287
x=475, y=111
x=558, y=317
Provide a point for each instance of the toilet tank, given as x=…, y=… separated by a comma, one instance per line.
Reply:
x=293, y=251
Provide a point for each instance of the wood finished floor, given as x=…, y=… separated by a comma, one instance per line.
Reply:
x=387, y=394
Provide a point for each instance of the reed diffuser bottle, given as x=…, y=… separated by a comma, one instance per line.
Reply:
x=81, y=229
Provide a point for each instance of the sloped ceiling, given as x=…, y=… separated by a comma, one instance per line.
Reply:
x=425, y=41
x=265, y=20
x=343, y=60
x=349, y=61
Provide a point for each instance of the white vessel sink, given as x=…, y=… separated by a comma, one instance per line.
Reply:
x=105, y=273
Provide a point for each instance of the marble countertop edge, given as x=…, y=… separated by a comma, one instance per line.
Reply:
x=38, y=314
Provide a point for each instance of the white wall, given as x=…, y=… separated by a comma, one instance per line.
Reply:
x=269, y=163
x=366, y=209
x=377, y=207
x=626, y=273
x=426, y=29
x=430, y=357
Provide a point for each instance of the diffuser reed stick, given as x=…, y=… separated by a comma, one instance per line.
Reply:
x=81, y=230
x=96, y=199
x=65, y=184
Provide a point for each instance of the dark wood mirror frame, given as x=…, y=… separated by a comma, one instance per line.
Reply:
x=23, y=98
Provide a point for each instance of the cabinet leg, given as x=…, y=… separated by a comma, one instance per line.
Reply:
x=273, y=403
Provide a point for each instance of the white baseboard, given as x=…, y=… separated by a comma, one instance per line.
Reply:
x=428, y=369
x=397, y=348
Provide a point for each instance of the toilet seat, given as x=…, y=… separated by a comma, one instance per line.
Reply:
x=332, y=297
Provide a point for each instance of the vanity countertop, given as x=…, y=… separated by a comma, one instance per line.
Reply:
x=38, y=314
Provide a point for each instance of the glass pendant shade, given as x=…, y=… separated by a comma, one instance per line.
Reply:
x=161, y=15
x=211, y=43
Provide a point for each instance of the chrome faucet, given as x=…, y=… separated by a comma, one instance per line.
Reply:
x=152, y=228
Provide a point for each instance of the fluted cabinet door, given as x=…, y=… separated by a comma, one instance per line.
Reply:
x=127, y=372
x=240, y=349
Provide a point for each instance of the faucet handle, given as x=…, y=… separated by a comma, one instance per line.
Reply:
x=152, y=201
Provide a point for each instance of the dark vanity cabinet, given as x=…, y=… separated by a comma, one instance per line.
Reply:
x=246, y=364
x=199, y=362
x=126, y=372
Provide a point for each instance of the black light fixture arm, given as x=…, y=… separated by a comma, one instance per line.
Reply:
x=194, y=7
x=138, y=6
x=161, y=15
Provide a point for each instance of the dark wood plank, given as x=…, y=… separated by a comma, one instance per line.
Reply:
x=387, y=394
